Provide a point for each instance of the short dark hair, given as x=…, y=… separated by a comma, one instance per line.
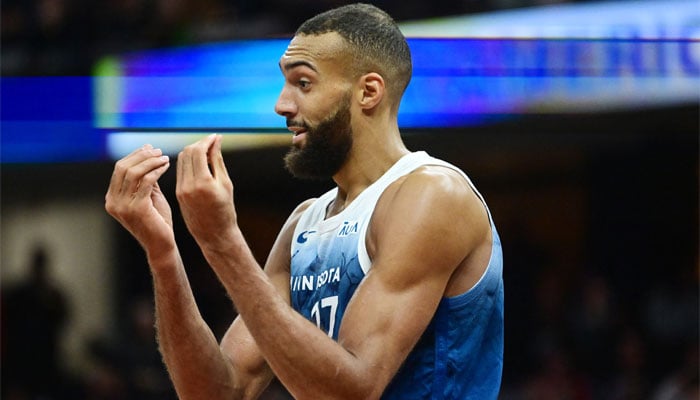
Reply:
x=376, y=43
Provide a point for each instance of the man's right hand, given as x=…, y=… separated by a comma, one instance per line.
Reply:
x=136, y=201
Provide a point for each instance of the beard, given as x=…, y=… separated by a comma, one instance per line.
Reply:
x=326, y=146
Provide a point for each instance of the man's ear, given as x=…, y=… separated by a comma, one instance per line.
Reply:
x=371, y=90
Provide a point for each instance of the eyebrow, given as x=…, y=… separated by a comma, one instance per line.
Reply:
x=299, y=63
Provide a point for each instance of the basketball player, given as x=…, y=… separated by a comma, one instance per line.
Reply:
x=388, y=286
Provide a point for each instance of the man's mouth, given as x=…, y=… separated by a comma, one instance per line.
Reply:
x=297, y=130
x=299, y=134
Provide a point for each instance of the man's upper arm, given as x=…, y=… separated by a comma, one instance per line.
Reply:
x=417, y=239
x=250, y=370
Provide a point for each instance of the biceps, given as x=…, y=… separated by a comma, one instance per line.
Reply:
x=382, y=323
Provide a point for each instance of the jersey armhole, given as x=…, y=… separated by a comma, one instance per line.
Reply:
x=362, y=255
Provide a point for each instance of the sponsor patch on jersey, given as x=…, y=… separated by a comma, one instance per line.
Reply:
x=348, y=228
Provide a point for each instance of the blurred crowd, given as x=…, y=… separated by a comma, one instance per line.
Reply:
x=35, y=313
x=66, y=37
x=589, y=336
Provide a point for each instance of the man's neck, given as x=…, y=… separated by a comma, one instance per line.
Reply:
x=367, y=161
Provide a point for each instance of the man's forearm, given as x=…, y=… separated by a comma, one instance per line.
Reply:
x=302, y=356
x=191, y=353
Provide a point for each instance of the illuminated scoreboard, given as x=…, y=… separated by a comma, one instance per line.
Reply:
x=467, y=71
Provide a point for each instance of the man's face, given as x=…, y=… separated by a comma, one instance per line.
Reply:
x=326, y=145
x=316, y=101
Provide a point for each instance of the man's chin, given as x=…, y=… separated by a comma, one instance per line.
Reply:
x=302, y=167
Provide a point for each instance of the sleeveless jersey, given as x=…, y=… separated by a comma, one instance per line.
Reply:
x=460, y=354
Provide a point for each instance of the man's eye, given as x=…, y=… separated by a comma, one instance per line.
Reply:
x=304, y=84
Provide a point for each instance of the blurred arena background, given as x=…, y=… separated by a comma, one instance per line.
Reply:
x=595, y=195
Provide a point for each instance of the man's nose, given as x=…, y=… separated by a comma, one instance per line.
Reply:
x=285, y=106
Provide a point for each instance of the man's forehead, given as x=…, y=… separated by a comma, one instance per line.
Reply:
x=325, y=46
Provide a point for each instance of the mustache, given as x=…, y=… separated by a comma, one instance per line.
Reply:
x=297, y=124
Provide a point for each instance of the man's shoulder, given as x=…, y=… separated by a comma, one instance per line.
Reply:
x=434, y=195
x=301, y=207
x=436, y=180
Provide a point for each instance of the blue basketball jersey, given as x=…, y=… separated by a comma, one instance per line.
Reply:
x=459, y=356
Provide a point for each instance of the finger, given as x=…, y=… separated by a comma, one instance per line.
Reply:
x=133, y=177
x=216, y=159
x=192, y=162
x=187, y=157
x=120, y=181
x=138, y=165
x=120, y=168
x=200, y=157
x=200, y=169
x=180, y=169
x=150, y=179
x=185, y=169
